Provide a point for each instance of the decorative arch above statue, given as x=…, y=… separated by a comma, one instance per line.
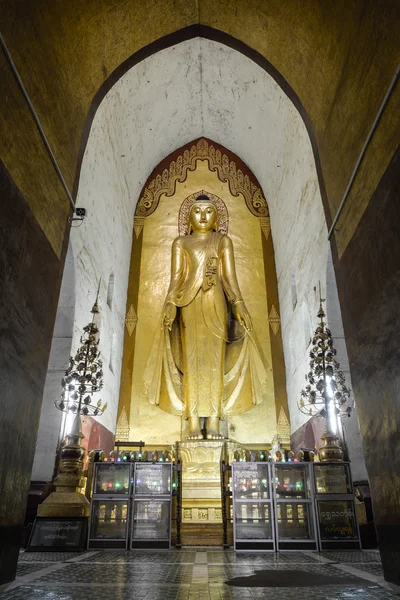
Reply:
x=164, y=181
x=202, y=167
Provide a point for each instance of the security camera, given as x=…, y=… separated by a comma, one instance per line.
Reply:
x=80, y=215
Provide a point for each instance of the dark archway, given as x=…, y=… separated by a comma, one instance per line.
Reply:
x=343, y=265
x=368, y=285
x=364, y=273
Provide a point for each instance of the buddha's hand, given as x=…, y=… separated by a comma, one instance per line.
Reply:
x=169, y=315
x=242, y=315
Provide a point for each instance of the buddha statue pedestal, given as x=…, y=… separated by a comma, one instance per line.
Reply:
x=201, y=491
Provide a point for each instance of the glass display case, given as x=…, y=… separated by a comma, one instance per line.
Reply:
x=295, y=526
x=292, y=481
x=112, y=479
x=337, y=520
x=152, y=501
x=335, y=507
x=253, y=520
x=332, y=478
x=151, y=520
x=152, y=479
x=110, y=507
x=109, y=521
x=251, y=481
x=253, y=523
x=294, y=508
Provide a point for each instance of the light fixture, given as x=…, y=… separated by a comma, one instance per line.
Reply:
x=326, y=393
x=84, y=376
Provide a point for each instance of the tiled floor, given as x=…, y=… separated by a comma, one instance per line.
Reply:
x=197, y=574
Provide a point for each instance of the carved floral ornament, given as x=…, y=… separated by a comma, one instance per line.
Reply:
x=274, y=320
x=131, y=320
x=165, y=183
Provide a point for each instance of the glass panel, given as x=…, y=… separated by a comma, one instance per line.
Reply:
x=332, y=479
x=151, y=520
x=154, y=480
x=295, y=521
x=109, y=520
x=292, y=481
x=336, y=520
x=250, y=480
x=253, y=521
x=112, y=479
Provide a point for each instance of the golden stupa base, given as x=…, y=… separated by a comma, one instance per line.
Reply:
x=64, y=504
x=331, y=450
x=67, y=499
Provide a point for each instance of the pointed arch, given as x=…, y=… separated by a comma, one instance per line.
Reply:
x=209, y=33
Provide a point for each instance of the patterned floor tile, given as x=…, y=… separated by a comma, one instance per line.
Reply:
x=373, y=568
x=160, y=592
x=121, y=573
x=240, y=557
x=355, y=556
x=48, y=556
x=28, y=568
x=146, y=557
x=194, y=575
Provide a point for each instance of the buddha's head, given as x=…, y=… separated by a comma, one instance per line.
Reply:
x=203, y=215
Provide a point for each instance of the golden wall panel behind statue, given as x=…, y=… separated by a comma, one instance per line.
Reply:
x=148, y=422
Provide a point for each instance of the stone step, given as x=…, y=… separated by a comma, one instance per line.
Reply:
x=203, y=534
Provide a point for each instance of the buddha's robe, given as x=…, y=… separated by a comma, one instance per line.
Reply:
x=187, y=371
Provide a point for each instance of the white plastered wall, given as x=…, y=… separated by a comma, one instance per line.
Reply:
x=143, y=118
x=51, y=418
x=246, y=111
x=198, y=88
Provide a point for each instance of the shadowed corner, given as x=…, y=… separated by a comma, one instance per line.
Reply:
x=293, y=578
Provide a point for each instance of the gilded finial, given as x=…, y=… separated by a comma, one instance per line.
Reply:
x=95, y=308
x=321, y=313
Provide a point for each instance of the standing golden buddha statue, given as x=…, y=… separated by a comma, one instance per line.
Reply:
x=205, y=347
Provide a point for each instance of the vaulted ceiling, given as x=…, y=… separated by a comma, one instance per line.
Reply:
x=336, y=59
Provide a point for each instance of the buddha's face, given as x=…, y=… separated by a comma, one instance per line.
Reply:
x=203, y=217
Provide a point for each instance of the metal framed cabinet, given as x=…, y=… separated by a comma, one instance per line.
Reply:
x=335, y=507
x=152, y=505
x=110, y=506
x=253, y=522
x=294, y=506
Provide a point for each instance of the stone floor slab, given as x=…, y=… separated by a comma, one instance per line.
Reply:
x=192, y=574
